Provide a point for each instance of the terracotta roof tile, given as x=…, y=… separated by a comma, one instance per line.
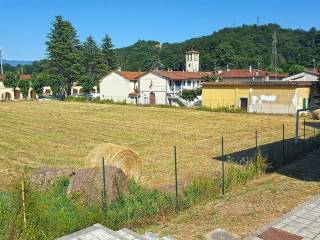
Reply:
x=259, y=83
x=22, y=77
x=132, y=76
x=178, y=75
x=25, y=76
x=245, y=73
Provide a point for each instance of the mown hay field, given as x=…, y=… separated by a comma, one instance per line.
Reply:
x=35, y=134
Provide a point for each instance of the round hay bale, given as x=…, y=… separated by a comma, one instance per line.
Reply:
x=316, y=114
x=45, y=176
x=86, y=184
x=118, y=156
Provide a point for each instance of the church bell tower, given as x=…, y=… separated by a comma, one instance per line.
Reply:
x=192, y=61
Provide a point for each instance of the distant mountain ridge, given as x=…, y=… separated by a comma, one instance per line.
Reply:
x=14, y=63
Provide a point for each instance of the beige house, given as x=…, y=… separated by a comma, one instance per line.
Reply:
x=5, y=93
x=261, y=97
x=77, y=89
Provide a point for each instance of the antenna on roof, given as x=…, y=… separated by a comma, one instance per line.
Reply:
x=1, y=51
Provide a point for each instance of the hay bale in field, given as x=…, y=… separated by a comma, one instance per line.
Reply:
x=45, y=176
x=86, y=184
x=118, y=156
x=316, y=114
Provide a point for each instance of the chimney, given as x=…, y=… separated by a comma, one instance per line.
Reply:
x=119, y=69
x=250, y=69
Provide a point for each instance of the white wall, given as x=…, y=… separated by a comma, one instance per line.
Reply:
x=153, y=83
x=115, y=87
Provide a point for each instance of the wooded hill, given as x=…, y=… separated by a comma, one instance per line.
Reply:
x=237, y=47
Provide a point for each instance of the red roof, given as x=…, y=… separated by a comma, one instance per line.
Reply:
x=257, y=83
x=132, y=76
x=22, y=77
x=25, y=76
x=178, y=75
x=245, y=73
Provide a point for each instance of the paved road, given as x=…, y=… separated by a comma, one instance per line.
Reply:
x=304, y=220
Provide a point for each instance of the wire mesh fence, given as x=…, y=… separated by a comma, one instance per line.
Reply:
x=282, y=149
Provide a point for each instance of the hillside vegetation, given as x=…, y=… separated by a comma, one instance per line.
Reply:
x=237, y=47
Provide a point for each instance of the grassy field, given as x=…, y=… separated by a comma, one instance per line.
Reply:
x=249, y=207
x=35, y=134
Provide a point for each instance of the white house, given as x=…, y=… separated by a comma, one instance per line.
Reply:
x=305, y=76
x=120, y=86
x=164, y=87
x=153, y=87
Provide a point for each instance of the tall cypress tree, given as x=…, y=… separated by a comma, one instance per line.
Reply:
x=90, y=55
x=63, y=47
x=108, y=54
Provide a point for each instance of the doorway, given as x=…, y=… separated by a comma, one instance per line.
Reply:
x=244, y=104
x=152, y=98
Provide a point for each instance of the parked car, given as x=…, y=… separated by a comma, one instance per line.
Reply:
x=51, y=97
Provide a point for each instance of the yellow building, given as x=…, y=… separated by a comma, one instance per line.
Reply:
x=266, y=97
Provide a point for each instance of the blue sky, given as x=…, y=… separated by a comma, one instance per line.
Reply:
x=25, y=24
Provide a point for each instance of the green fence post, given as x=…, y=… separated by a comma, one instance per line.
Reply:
x=283, y=146
x=222, y=167
x=104, y=192
x=176, y=178
x=256, y=159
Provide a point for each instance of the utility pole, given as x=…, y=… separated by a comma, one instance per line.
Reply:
x=314, y=65
x=274, y=52
x=1, y=67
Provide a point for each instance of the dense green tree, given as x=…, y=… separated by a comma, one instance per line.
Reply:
x=191, y=95
x=294, y=69
x=57, y=84
x=11, y=80
x=87, y=82
x=38, y=81
x=108, y=55
x=63, y=48
x=225, y=55
x=24, y=86
x=91, y=56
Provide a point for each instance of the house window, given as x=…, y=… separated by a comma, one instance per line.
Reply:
x=189, y=83
x=178, y=83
